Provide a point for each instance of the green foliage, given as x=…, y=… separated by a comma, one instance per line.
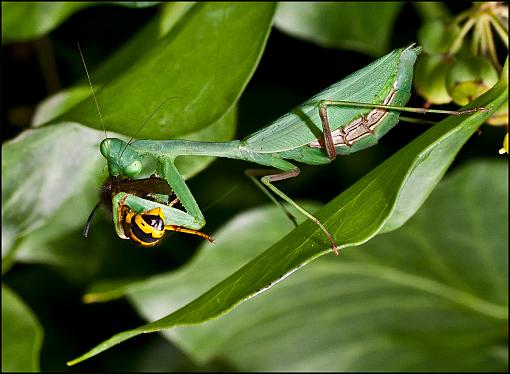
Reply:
x=38, y=18
x=230, y=34
x=23, y=333
x=28, y=20
x=428, y=296
x=360, y=26
x=75, y=175
x=370, y=304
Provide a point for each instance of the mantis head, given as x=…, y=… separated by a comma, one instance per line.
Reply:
x=122, y=159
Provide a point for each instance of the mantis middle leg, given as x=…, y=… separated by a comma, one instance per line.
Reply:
x=267, y=180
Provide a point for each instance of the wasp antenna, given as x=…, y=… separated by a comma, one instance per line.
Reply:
x=148, y=119
x=89, y=221
x=92, y=88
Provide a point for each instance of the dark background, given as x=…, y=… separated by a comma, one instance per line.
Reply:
x=289, y=72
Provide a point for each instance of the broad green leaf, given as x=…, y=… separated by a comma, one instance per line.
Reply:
x=376, y=202
x=206, y=61
x=391, y=297
x=132, y=51
x=41, y=170
x=23, y=21
x=361, y=26
x=22, y=335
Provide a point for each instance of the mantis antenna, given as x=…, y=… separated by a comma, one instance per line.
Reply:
x=92, y=88
x=147, y=120
x=89, y=220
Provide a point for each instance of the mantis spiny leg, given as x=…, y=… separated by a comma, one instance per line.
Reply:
x=326, y=131
x=252, y=173
x=181, y=190
x=268, y=178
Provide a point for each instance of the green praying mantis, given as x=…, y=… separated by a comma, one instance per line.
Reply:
x=346, y=117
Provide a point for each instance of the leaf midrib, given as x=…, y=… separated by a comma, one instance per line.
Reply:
x=428, y=285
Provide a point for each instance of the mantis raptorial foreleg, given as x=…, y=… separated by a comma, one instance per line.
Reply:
x=127, y=207
x=268, y=178
x=168, y=170
x=192, y=219
x=118, y=202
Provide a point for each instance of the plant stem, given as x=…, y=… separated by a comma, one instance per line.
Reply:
x=490, y=43
x=475, y=42
x=484, y=38
x=462, y=16
x=500, y=29
x=458, y=41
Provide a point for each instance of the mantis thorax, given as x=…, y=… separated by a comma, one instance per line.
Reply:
x=122, y=159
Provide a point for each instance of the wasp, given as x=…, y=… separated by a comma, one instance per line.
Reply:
x=145, y=224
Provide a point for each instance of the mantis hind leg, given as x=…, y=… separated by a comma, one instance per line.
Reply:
x=326, y=131
x=267, y=180
x=329, y=144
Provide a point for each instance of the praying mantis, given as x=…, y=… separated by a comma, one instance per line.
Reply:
x=346, y=117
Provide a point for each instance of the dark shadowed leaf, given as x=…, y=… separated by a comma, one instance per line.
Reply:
x=361, y=26
x=21, y=335
x=22, y=21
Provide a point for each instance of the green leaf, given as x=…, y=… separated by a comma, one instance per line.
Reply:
x=407, y=296
x=22, y=335
x=381, y=201
x=22, y=21
x=131, y=52
x=209, y=80
x=43, y=169
x=361, y=26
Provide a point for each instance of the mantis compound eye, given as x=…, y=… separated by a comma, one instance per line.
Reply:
x=105, y=147
x=133, y=169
